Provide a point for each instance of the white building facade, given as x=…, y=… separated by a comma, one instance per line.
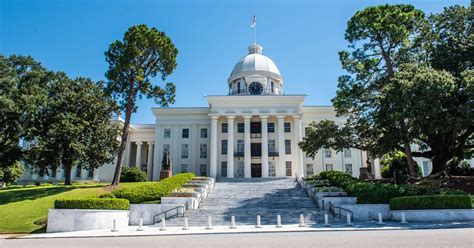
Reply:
x=253, y=131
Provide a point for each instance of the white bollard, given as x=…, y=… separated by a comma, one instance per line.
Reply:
x=185, y=227
x=349, y=223
x=140, y=224
x=380, y=219
x=114, y=226
x=404, y=220
x=302, y=224
x=232, y=223
x=326, y=220
x=278, y=225
x=209, y=223
x=259, y=223
x=163, y=224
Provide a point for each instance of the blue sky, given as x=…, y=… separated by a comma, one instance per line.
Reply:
x=302, y=38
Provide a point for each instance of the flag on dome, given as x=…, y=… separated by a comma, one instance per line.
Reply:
x=254, y=22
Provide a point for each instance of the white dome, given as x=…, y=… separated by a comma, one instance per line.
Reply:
x=255, y=61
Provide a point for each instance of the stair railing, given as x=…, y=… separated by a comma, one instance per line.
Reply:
x=339, y=211
x=170, y=213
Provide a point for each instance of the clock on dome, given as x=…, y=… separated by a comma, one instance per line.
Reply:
x=255, y=88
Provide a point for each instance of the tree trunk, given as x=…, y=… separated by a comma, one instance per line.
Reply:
x=123, y=144
x=67, y=173
x=411, y=163
x=439, y=164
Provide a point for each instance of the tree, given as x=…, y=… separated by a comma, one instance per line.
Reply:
x=21, y=95
x=134, y=62
x=75, y=127
x=439, y=109
x=381, y=38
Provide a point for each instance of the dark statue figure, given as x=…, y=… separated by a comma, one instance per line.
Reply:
x=165, y=166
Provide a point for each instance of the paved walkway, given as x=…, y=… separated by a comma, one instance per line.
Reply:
x=247, y=198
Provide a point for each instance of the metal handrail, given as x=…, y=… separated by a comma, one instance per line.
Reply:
x=337, y=211
x=177, y=214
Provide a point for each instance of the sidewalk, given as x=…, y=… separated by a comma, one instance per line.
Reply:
x=155, y=230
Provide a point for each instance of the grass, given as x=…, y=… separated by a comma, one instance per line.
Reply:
x=25, y=210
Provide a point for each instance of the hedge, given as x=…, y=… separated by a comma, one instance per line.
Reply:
x=376, y=193
x=132, y=174
x=92, y=203
x=152, y=191
x=431, y=202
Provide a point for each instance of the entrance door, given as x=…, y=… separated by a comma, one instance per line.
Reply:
x=256, y=170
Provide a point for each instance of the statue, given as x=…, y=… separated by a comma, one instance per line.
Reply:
x=165, y=166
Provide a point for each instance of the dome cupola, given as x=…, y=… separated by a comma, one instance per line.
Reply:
x=255, y=74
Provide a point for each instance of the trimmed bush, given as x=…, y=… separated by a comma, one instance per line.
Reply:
x=92, y=203
x=107, y=195
x=431, y=202
x=373, y=193
x=152, y=191
x=328, y=189
x=132, y=174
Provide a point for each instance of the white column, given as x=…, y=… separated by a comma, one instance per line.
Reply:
x=149, y=162
x=230, y=146
x=376, y=168
x=59, y=174
x=95, y=176
x=298, y=136
x=139, y=154
x=264, y=119
x=247, y=156
x=281, y=146
x=84, y=174
x=213, y=165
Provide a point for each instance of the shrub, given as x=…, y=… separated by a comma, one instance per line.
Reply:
x=373, y=193
x=431, y=202
x=11, y=173
x=152, y=191
x=328, y=189
x=319, y=183
x=92, y=203
x=107, y=195
x=132, y=174
x=396, y=162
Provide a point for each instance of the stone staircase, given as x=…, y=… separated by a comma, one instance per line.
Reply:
x=247, y=198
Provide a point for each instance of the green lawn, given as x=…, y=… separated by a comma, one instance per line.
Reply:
x=25, y=210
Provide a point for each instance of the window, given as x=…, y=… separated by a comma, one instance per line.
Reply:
x=240, y=127
x=426, y=168
x=328, y=153
x=271, y=146
x=184, y=168
x=53, y=172
x=309, y=169
x=203, y=151
x=224, y=169
x=287, y=146
x=224, y=128
x=166, y=148
x=204, y=133
x=272, y=86
x=78, y=171
x=166, y=133
x=288, y=169
x=328, y=167
x=203, y=170
x=184, y=150
x=271, y=127
x=90, y=173
x=238, y=88
x=271, y=168
x=223, y=147
x=287, y=127
x=240, y=146
x=347, y=153
x=348, y=169
x=185, y=133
